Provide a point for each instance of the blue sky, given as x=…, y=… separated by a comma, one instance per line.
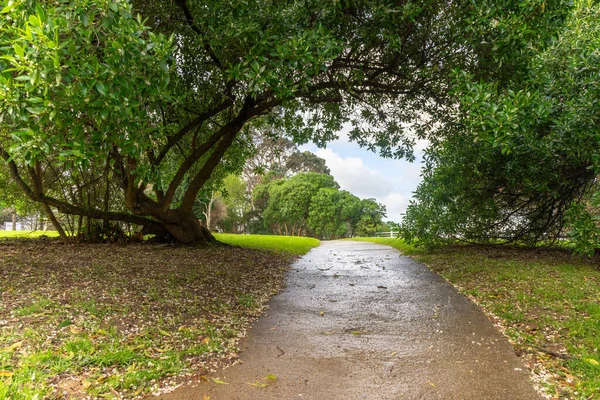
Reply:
x=365, y=174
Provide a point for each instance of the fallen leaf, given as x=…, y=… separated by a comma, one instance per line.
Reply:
x=431, y=384
x=74, y=330
x=220, y=382
x=592, y=361
x=5, y=374
x=356, y=332
x=162, y=350
x=381, y=287
x=271, y=377
x=328, y=332
x=164, y=333
x=206, y=397
x=13, y=346
x=86, y=384
x=205, y=340
x=322, y=313
x=113, y=391
x=257, y=384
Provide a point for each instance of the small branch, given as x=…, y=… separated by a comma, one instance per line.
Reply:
x=553, y=353
x=190, y=21
x=189, y=127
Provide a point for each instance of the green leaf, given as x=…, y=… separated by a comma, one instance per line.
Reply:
x=101, y=88
x=65, y=323
x=19, y=50
x=40, y=12
x=9, y=7
x=34, y=21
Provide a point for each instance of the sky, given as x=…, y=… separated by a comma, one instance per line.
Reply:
x=367, y=175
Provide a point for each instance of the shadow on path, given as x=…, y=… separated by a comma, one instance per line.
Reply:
x=360, y=321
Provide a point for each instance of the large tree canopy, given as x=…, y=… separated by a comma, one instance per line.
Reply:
x=523, y=162
x=118, y=117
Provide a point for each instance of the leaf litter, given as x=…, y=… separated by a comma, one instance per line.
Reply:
x=102, y=320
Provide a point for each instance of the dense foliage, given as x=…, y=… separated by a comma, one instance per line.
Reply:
x=112, y=116
x=522, y=163
x=311, y=204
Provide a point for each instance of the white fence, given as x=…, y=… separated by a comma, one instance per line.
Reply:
x=9, y=226
x=391, y=234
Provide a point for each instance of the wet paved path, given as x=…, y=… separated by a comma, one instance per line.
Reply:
x=360, y=321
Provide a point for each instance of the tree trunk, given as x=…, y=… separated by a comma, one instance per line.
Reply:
x=14, y=221
x=181, y=227
x=59, y=228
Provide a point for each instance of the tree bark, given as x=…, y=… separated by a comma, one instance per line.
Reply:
x=180, y=226
x=56, y=224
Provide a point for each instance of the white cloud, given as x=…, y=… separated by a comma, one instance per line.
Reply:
x=406, y=172
x=395, y=204
x=420, y=145
x=353, y=176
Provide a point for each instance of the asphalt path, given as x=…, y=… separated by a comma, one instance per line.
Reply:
x=361, y=321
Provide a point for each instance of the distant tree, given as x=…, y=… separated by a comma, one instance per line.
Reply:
x=325, y=214
x=393, y=226
x=270, y=150
x=351, y=211
x=289, y=202
x=305, y=162
x=236, y=200
x=372, y=214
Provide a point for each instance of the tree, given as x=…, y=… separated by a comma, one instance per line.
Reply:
x=351, y=211
x=89, y=94
x=325, y=214
x=522, y=163
x=289, y=202
x=238, y=205
x=270, y=149
x=306, y=161
x=372, y=214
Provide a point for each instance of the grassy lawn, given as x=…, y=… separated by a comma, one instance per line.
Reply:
x=27, y=234
x=395, y=243
x=281, y=244
x=546, y=302
x=111, y=321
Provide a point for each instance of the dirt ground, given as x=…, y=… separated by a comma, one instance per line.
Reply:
x=360, y=321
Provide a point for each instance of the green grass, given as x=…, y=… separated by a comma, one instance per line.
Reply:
x=282, y=244
x=545, y=300
x=398, y=244
x=27, y=234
